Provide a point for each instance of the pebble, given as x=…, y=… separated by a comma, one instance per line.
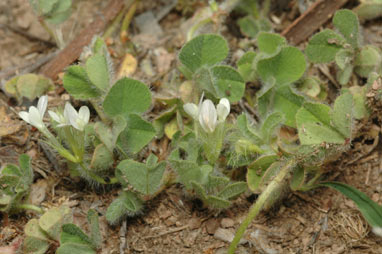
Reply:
x=227, y=223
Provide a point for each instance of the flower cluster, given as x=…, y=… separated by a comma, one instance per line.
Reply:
x=35, y=116
x=207, y=114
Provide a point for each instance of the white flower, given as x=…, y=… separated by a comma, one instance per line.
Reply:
x=377, y=231
x=59, y=118
x=208, y=116
x=77, y=120
x=35, y=115
x=223, y=109
x=191, y=109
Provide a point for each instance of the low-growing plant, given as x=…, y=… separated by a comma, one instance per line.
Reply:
x=53, y=12
x=55, y=227
x=344, y=47
x=255, y=20
x=15, y=182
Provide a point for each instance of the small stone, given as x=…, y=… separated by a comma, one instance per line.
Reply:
x=227, y=223
x=194, y=223
x=226, y=235
x=165, y=215
x=211, y=226
x=170, y=221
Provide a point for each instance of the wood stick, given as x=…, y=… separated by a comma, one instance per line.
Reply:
x=74, y=49
x=314, y=17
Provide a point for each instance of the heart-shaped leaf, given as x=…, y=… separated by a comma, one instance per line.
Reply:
x=323, y=46
x=126, y=97
x=203, y=50
x=78, y=85
x=285, y=67
x=143, y=178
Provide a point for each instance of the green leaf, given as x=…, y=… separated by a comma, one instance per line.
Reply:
x=60, y=12
x=271, y=123
x=127, y=203
x=369, y=209
x=285, y=67
x=233, y=190
x=323, y=46
x=217, y=202
x=221, y=82
x=36, y=241
x=341, y=115
x=360, y=109
x=244, y=66
x=98, y=71
x=310, y=86
x=344, y=58
x=298, y=178
x=199, y=190
x=270, y=43
x=102, y=158
x=247, y=130
x=190, y=171
x=203, y=50
x=144, y=179
x=257, y=169
x=109, y=134
x=20, y=178
x=78, y=85
x=249, y=26
x=127, y=96
x=45, y=6
x=369, y=10
x=286, y=102
x=348, y=25
x=317, y=123
x=343, y=76
x=53, y=219
x=95, y=233
x=70, y=248
x=73, y=234
x=367, y=60
x=137, y=134
x=29, y=86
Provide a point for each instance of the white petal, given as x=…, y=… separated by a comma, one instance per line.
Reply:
x=208, y=116
x=54, y=116
x=84, y=114
x=223, y=109
x=191, y=109
x=70, y=113
x=42, y=105
x=35, y=118
x=25, y=116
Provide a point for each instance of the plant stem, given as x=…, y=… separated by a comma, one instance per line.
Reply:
x=31, y=207
x=100, y=112
x=256, y=208
x=127, y=20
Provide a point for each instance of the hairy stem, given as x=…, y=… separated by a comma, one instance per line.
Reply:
x=256, y=207
x=31, y=207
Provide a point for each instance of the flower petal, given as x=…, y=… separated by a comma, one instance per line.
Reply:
x=54, y=116
x=191, y=109
x=208, y=116
x=42, y=105
x=84, y=114
x=223, y=109
x=35, y=118
x=25, y=116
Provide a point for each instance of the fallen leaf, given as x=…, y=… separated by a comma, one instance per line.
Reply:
x=128, y=66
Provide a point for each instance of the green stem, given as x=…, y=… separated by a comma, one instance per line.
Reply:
x=95, y=177
x=100, y=112
x=127, y=19
x=50, y=32
x=31, y=207
x=256, y=208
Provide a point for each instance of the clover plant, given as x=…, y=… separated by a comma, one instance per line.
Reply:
x=282, y=161
x=255, y=19
x=344, y=47
x=55, y=226
x=201, y=60
x=15, y=182
x=53, y=12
